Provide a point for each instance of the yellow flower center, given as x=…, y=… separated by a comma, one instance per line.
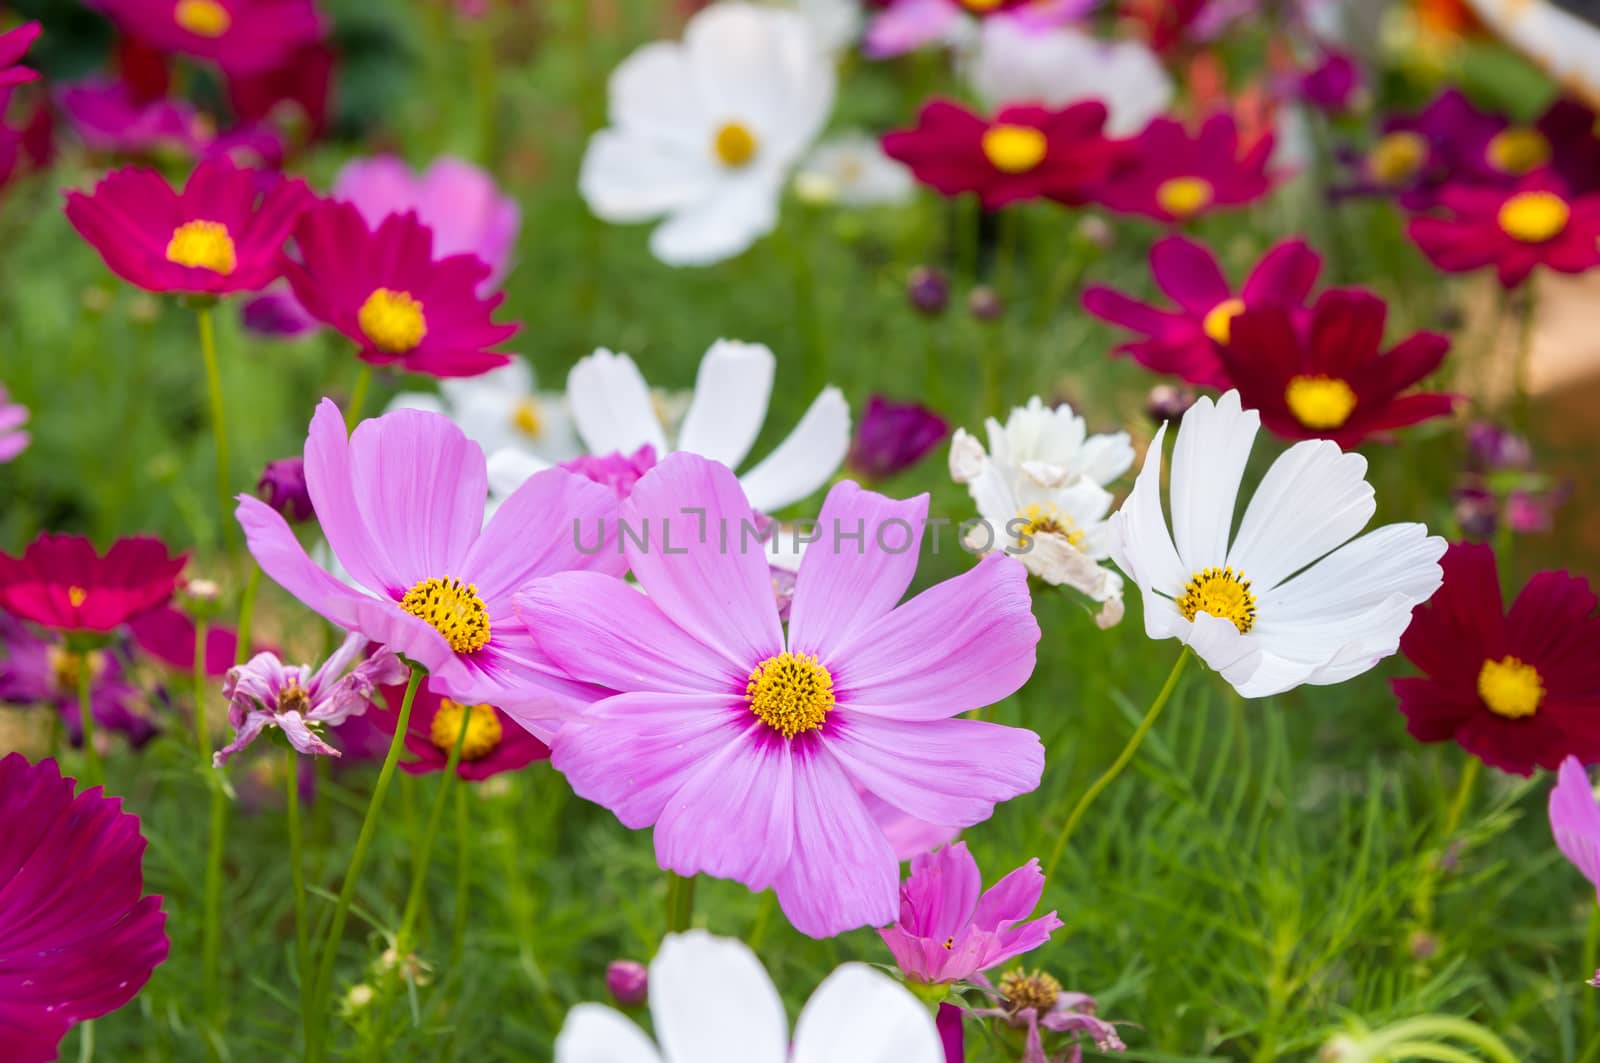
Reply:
x=77, y=596
x=393, y=321
x=1397, y=157
x=66, y=667
x=525, y=419
x=203, y=18
x=1320, y=402
x=453, y=609
x=791, y=693
x=1518, y=150
x=1014, y=148
x=1510, y=687
x=203, y=245
x=1534, y=217
x=1035, y=990
x=1219, y=321
x=483, y=729
x=982, y=7
x=1048, y=519
x=1184, y=197
x=1222, y=593
x=735, y=144
x=293, y=698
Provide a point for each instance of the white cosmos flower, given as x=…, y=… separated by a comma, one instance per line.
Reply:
x=835, y=23
x=712, y=1002
x=1014, y=64
x=852, y=171
x=1052, y=445
x=1293, y=597
x=612, y=407
x=502, y=410
x=705, y=132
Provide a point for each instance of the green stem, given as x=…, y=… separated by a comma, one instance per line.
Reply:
x=1123, y=758
x=1423, y=900
x=488, y=94
x=419, y=873
x=458, y=935
x=247, y=611
x=358, y=397
x=297, y=875
x=317, y=1049
x=680, y=902
x=93, y=775
x=219, y=420
x=211, y=933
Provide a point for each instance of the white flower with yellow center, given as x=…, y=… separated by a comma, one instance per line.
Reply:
x=705, y=132
x=1050, y=445
x=1293, y=596
x=852, y=171
x=503, y=410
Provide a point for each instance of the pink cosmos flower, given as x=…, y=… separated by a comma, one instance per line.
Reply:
x=78, y=936
x=111, y=118
x=616, y=470
x=384, y=288
x=240, y=36
x=13, y=439
x=1187, y=342
x=401, y=502
x=1173, y=176
x=745, y=748
x=1575, y=819
x=264, y=692
x=907, y=25
x=948, y=932
x=1515, y=230
x=14, y=44
x=219, y=235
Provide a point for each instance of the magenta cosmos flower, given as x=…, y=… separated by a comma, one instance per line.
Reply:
x=1575, y=819
x=1514, y=230
x=1187, y=342
x=14, y=44
x=1330, y=378
x=61, y=582
x=949, y=931
x=240, y=36
x=264, y=692
x=1171, y=175
x=385, y=290
x=219, y=235
x=401, y=502
x=77, y=939
x=494, y=743
x=1024, y=152
x=745, y=748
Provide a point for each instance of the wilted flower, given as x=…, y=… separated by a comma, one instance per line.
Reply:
x=264, y=692
x=283, y=487
x=893, y=436
x=61, y=582
x=1032, y=1000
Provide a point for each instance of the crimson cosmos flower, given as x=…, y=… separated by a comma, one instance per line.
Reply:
x=1185, y=342
x=1534, y=223
x=384, y=289
x=60, y=582
x=240, y=36
x=219, y=235
x=1173, y=176
x=1330, y=378
x=14, y=44
x=494, y=742
x=1517, y=690
x=1024, y=152
x=77, y=938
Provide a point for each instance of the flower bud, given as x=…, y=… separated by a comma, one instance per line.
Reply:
x=928, y=290
x=628, y=982
x=985, y=304
x=283, y=487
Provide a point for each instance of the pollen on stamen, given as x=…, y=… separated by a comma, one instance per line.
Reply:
x=483, y=729
x=201, y=244
x=453, y=609
x=1049, y=519
x=791, y=693
x=393, y=321
x=1222, y=593
x=1184, y=197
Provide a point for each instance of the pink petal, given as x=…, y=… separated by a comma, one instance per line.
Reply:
x=734, y=817
x=962, y=644
x=1575, y=819
x=938, y=897
x=328, y=481
x=552, y=523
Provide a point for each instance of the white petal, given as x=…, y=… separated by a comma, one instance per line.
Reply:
x=506, y=384
x=721, y=223
x=712, y=1002
x=1139, y=541
x=967, y=457
x=858, y=1015
x=425, y=401
x=626, y=177
x=1218, y=642
x=1207, y=465
x=509, y=469
x=594, y=1033
x=1105, y=458
x=1313, y=499
x=611, y=405
x=806, y=460
x=730, y=401
x=652, y=94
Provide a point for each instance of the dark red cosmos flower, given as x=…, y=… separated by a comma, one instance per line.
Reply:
x=1517, y=690
x=14, y=44
x=494, y=741
x=1186, y=342
x=386, y=291
x=1171, y=175
x=240, y=36
x=1024, y=152
x=219, y=235
x=1329, y=378
x=77, y=939
x=1534, y=223
x=60, y=581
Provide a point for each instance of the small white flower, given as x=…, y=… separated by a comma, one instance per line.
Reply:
x=614, y=412
x=1293, y=597
x=712, y=1002
x=502, y=410
x=705, y=132
x=1052, y=445
x=852, y=171
x=1015, y=64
